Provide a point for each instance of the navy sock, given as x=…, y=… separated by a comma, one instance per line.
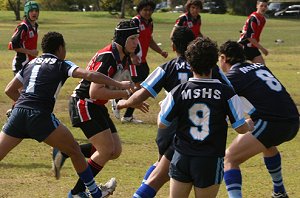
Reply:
x=148, y=172
x=233, y=181
x=273, y=165
x=88, y=179
x=144, y=191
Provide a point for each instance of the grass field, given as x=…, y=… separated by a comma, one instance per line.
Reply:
x=25, y=172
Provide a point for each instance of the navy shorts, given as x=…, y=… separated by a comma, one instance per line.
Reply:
x=273, y=133
x=251, y=52
x=91, y=118
x=30, y=123
x=141, y=71
x=164, y=140
x=201, y=171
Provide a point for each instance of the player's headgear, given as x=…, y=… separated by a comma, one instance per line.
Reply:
x=124, y=30
x=30, y=5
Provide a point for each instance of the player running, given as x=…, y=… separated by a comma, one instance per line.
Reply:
x=32, y=116
x=87, y=104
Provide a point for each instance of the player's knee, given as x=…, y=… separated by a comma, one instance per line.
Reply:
x=230, y=159
x=73, y=150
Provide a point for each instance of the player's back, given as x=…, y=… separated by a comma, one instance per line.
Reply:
x=202, y=106
x=263, y=90
x=42, y=79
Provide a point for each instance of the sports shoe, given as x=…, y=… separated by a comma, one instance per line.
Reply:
x=58, y=161
x=79, y=195
x=114, y=109
x=279, y=195
x=131, y=120
x=108, y=188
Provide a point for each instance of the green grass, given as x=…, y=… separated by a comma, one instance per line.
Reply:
x=25, y=172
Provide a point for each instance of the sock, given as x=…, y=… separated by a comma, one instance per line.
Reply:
x=144, y=191
x=148, y=172
x=86, y=149
x=88, y=179
x=233, y=181
x=129, y=112
x=80, y=186
x=273, y=165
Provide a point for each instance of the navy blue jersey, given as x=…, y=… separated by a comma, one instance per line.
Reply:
x=260, y=88
x=174, y=72
x=202, y=106
x=42, y=79
x=168, y=76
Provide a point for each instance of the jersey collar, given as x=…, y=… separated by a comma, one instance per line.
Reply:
x=205, y=80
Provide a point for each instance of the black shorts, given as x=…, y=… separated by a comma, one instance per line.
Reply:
x=164, y=140
x=275, y=132
x=141, y=71
x=201, y=171
x=251, y=52
x=30, y=123
x=91, y=118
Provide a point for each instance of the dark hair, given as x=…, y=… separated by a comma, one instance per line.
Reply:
x=181, y=38
x=263, y=1
x=52, y=41
x=123, y=30
x=233, y=51
x=145, y=3
x=202, y=55
x=197, y=3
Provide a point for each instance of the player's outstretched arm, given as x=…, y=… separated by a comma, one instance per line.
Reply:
x=97, y=77
x=136, y=100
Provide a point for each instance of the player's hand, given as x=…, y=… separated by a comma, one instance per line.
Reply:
x=144, y=107
x=265, y=51
x=250, y=124
x=127, y=85
x=164, y=54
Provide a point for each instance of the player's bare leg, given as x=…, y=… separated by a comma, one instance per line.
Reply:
x=7, y=143
x=179, y=189
x=159, y=175
x=209, y=192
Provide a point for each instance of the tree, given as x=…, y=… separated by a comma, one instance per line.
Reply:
x=15, y=6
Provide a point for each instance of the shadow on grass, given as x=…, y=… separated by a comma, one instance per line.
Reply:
x=27, y=166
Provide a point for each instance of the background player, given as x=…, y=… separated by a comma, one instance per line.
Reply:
x=25, y=37
x=24, y=40
x=32, y=115
x=261, y=91
x=201, y=106
x=140, y=70
x=250, y=35
x=191, y=18
x=87, y=104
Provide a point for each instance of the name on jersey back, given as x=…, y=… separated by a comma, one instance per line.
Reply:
x=201, y=93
